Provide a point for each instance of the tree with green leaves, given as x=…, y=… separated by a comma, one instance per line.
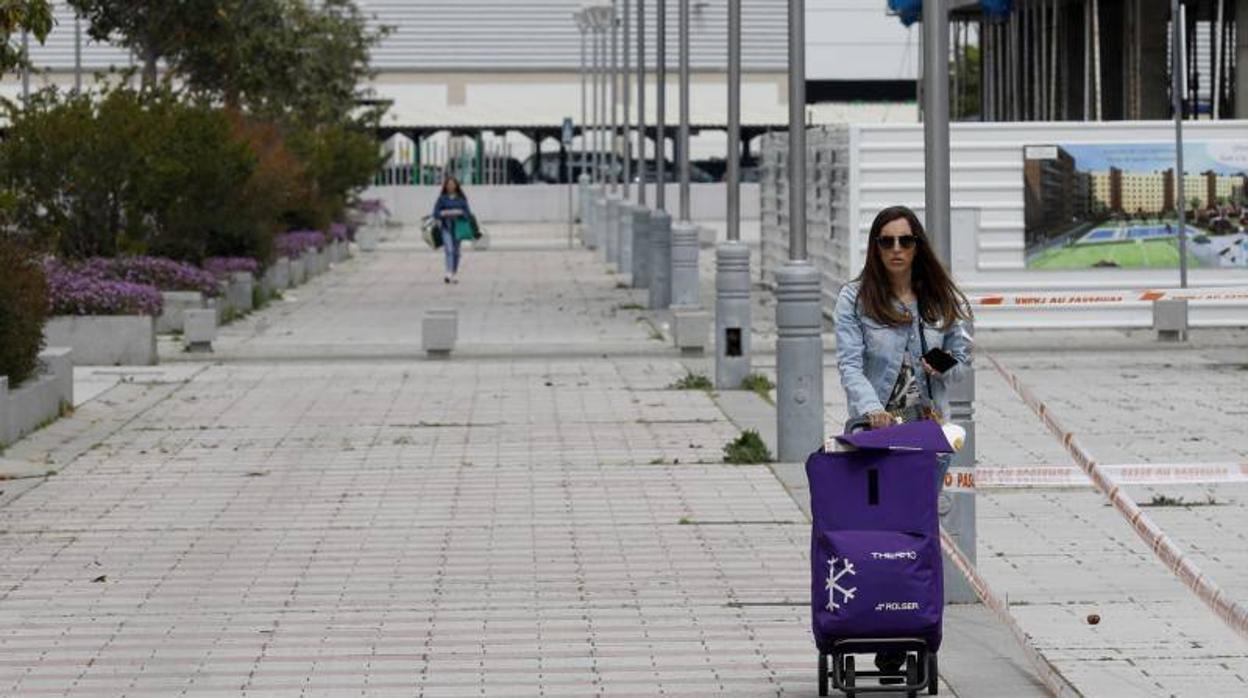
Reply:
x=154, y=30
x=18, y=17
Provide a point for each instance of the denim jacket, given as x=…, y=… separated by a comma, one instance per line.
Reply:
x=869, y=356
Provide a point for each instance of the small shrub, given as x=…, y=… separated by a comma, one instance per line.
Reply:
x=71, y=292
x=23, y=310
x=692, y=381
x=747, y=449
x=759, y=384
x=164, y=274
x=294, y=243
x=222, y=267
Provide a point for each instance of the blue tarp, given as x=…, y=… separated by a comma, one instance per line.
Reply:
x=911, y=11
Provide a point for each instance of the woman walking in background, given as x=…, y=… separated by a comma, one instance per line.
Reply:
x=455, y=223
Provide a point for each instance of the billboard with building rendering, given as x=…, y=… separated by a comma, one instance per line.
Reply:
x=1114, y=205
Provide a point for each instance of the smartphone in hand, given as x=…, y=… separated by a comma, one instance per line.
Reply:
x=940, y=359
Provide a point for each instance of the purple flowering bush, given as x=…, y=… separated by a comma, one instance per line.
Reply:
x=79, y=291
x=369, y=206
x=164, y=274
x=294, y=243
x=338, y=232
x=222, y=267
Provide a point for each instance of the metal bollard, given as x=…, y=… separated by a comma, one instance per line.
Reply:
x=600, y=221
x=685, y=291
x=732, y=314
x=660, y=260
x=641, y=247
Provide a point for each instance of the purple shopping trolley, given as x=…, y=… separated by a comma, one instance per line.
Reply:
x=876, y=582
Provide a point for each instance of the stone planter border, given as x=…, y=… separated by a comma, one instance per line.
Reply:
x=38, y=400
x=104, y=340
x=177, y=303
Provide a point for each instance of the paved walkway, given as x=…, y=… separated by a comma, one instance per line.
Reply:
x=319, y=509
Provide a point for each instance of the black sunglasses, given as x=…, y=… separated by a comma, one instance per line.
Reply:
x=906, y=241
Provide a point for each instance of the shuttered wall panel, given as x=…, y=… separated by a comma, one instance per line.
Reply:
x=541, y=34
x=500, y=35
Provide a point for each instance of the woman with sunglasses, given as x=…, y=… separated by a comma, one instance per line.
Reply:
x=901, y=307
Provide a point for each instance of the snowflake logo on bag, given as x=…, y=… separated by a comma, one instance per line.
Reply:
x=834, y=576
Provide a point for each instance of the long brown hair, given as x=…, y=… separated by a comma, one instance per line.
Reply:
x=459, y=188
x=940, y=301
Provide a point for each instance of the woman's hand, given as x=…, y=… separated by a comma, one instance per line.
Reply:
x=928, y=368
x=880, y=419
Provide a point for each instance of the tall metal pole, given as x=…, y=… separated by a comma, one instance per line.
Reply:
x=797, y=130
x=936, y=125
x=25, y=69
x=734, y=120
x=685, y=284
x=77, y=53
x=615, y=98
x=1177, y=61
x=732, y=257
x=626, y=78
x=641, y=101
x=660, y=139
x=799, y=319
x=584, y=97
x=684, y=110
x=603, y=163
x=593, y=100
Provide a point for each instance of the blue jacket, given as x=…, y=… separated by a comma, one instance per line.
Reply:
x=869, y=356
x=449, y=203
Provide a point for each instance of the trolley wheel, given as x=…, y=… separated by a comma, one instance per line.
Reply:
x=912, y=675
x=933, y=675
x=823, y=674
x=850, y=676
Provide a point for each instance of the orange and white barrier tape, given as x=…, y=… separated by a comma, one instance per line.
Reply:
x=1092, y=298
x=1175, y=560
x=1045, y=671
x=1129, y=474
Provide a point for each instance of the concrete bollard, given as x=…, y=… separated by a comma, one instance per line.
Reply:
x=1170, y=320
x=685, y=291
x=242, y=297
x=438, y=332
x=612, y=238
x=600, y=222
x=199, y=329
x=690, y=328
x=660, y=261
x=641, y=247
x=732, y=315
x=368, y=237
x=799, y=361
x=957, y=499
x=582, y=199
x=624, y=241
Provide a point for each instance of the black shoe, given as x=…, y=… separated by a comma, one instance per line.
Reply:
x=891, y=662
x=446, y=279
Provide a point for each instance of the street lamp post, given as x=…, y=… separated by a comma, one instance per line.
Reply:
x=641, y=216
x=732, y=257
x=685, y=291
x=957, y=508
x=582, y=178
x=612, y=228
x=660, y=222
x=799, y=320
